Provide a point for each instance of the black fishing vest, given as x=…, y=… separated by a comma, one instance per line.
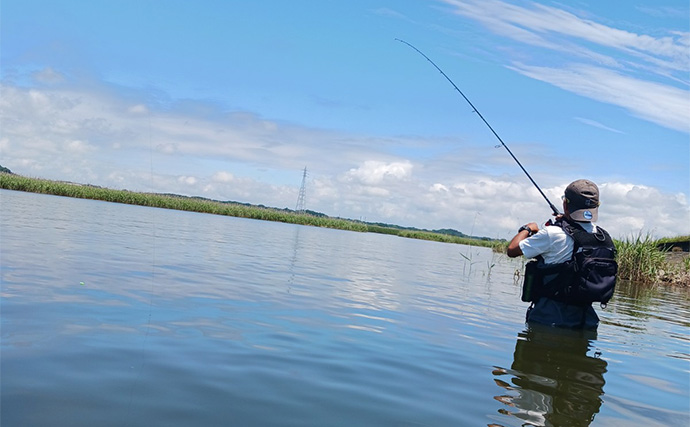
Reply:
x=588, y=276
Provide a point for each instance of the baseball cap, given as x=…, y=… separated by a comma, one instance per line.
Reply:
x=583, y=200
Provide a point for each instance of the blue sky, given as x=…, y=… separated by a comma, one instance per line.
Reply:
x=232, y=99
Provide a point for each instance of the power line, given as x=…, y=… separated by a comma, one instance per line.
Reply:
x=301, y=199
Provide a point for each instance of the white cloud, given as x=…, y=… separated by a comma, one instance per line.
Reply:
x=638, y=208
x=597, y=124
x=533, y=25
x=77, y=146
x=222, y=177
x=376, y=172
x=48, y=76
x=138, y=109
x=245, y=158
x=438, y=188
x=585, y=65
x=662, y=104
x=187, y=180
x=168, y=148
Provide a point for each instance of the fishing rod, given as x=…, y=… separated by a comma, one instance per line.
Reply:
x=553, y=208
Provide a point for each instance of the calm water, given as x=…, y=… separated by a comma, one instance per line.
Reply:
x=116, y=315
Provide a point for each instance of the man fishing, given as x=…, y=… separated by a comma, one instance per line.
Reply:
x=575, y=262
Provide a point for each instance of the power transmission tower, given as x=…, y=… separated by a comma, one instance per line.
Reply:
x=301, y=202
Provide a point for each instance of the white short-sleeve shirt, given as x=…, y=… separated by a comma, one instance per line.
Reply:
x=552, y=243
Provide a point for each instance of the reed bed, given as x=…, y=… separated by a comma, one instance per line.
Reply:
x=640, y=259
x=445, y=238
x=166, y=201
x=193, y=204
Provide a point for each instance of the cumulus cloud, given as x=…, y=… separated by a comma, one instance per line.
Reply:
x=637, y=208
x=438, y=188
x=505, y=205
x=96, y=137
x=187, y=180
x=222, y=176
x=45, y=118
x=376, y=172
x=138, y=109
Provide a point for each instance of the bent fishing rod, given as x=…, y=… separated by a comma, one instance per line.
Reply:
x=553, y=208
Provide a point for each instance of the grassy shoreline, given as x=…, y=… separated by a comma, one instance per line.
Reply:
x=234, y=209
x=640, y=258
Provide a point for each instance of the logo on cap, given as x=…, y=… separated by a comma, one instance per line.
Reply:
x=587, y=215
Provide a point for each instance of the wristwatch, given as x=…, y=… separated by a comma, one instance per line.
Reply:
x=529, y=230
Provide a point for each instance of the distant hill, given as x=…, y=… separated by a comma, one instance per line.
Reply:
x=446, y=231
x=5, y=170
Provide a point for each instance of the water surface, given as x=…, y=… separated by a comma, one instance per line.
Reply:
x=117, y=315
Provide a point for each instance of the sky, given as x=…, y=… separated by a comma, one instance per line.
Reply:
x=232, y=99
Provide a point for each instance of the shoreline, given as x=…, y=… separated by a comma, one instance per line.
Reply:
x=663, y=266
x=229, y=208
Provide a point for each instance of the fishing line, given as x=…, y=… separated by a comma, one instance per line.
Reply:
x=474, y=109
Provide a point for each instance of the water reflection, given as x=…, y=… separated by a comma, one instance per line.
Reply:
x=191, y=319
x=293, y=259
x=553, y=381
